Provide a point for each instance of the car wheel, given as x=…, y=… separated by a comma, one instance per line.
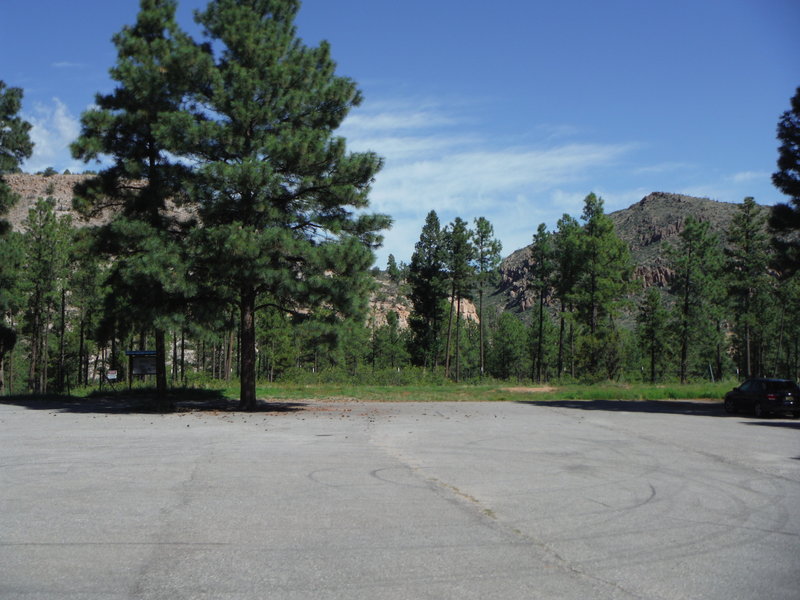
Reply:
x=759, y=411
x=730, y=407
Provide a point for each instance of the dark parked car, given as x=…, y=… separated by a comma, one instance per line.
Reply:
x=764, y=397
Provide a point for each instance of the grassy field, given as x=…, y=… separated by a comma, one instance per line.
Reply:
x=215, y=392
x=497, y=392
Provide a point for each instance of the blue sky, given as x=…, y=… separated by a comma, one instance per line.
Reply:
x=513, y=110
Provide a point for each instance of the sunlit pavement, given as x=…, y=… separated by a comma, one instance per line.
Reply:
x=363, y=500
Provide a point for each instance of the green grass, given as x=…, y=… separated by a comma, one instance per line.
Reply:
x=446, y=392
x=495, y=392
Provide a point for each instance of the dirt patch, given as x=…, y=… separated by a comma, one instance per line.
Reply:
x=525, y=390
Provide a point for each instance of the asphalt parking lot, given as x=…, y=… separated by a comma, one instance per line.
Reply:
x=404, y=500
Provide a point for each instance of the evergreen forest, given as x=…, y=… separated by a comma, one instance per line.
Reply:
x=227, y=228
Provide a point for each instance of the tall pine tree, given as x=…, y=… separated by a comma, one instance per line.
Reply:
x=603, y=281
x=459, y=257
x=276, y=191
x=651, y=329
x=566, y=248
x=696, y=263
x=427, y=280
x=487, y=260
x=749, y=284
x=47, y=242
x=540, y=280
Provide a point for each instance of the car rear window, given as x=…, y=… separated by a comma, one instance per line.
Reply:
x=780, y=386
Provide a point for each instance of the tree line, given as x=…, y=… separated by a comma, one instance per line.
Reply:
x=730, y=307
x=239, y=246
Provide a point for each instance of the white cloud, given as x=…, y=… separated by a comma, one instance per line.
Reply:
x=54, y=129
x=402, y=148
x=439, y=160
x=663, y=168
x=555, y=132
x=394, y=121
x=484, y=178
x=746, y=176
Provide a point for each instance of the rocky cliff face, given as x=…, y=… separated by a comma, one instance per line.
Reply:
x=32, y=187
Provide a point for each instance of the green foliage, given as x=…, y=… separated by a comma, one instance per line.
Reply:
x=785, y=218
x=487, y=260
x=750, y=288
x=652, y=331
x=389, y=344
x=15, y=145
x=567, y=254
x=542, y=347
x=156, y=68
x=47, y=241
x=428, y=292
x=540, y=280
x=697, y=263
x=275, y=189
x=392, y=269
x=507, y=353
x=602, y=283
x=458, y=259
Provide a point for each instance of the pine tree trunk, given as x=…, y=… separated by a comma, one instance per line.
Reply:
x=779, y=347
x=685, y=331
x=62, y=332
x=161, y=371
x=480, y=326
x=229, y=355
x=247, y=396
x=652, y=361
x=539, y=342
x=562, y=322
x=83, y=378
x=449, y=335
x=183, y=357
x=173, y=371
x=45, y=353
x=458, y=340
x=32, y=380
x=572, y=350
x=113, y=359
x=747, y=349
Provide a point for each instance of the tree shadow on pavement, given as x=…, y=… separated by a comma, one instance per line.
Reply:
x=706, y=408
x=143, y=401
x=681, y=407
x=786, y=424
